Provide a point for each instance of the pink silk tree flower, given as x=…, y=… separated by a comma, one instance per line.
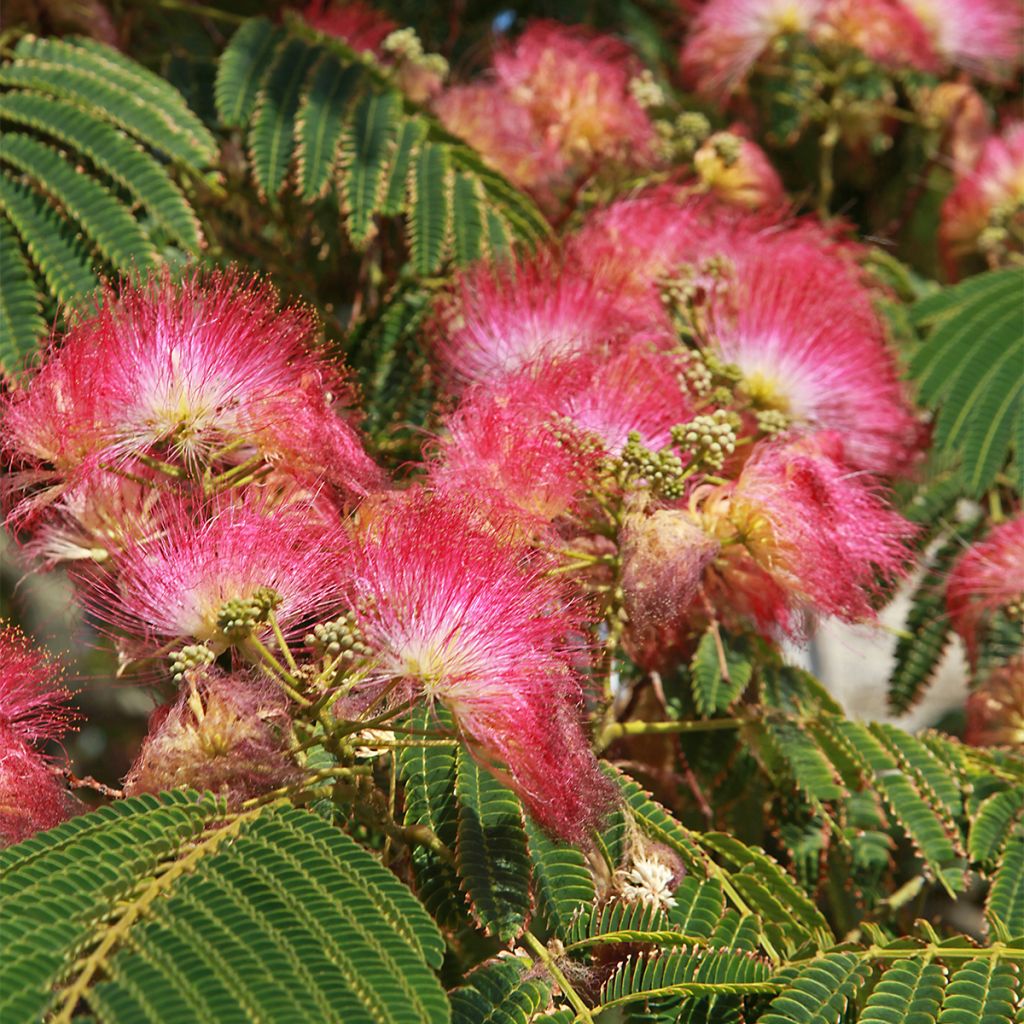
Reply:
x=33, y=712
x=810, y=345
x=801, y=532
x=887, y=31
x=728, y=36
x=988, y=578
x=504, y=134
x=981, y=36
x=558, y=103
x=205, y=369
x=452, y=609
x=211, y=571
x=225, y=733
x=514, y=455
x=990, y=193
x=576, y=87
x=500, y=318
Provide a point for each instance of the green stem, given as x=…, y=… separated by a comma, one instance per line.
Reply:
x=616, y=730
x=541, y=952
x=201, y=9
x=282, y=643
x=283, y=677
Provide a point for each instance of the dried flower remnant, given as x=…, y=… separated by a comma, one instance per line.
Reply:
x=225, y=733
x=984, y=213
x=206, y=370
x=995, y=710
x=988, y=579
x=887, y=31
x=216, y=570
x=664, y=556
x=33, y=712
x=452, y=609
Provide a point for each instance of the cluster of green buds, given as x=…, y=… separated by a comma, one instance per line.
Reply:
x=727, y=147
x=405, y=45
x=710, y=439
x=1004, y=232
x=646, y=91
x=771, y=421
x=683, y=136
x=662, y=470
x=339, y=638
x=684, y=291
x=188, y=659
x=239, y=616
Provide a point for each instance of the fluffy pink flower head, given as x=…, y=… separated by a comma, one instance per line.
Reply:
x=639, y=390
x=577, y=89
x=205, y=369
x=500, y=318
x=727, y=37
x=224, y=733
x=886, y=30
x=514, y=456
x=627, y=246
x=504, y=134
x=354, y=22
x=176, y=582
x=33, y=711
x=806, y=532
x=559, y=102
x=454, y=609
x=988, y=196
x=988, y=577
x=980, y=36
x=809, y=344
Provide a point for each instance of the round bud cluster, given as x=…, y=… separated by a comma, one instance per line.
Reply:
x=646, y=91
x=239, y=616
x=771, y=421
x=683, y=136
x=711, y=439
x=728, y=147
x=728, y=372
x=190, y=657
x=696, y=377
x=405, y=44
x=663, y=470
x=339, y=638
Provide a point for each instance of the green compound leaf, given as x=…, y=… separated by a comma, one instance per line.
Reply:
x=910, y=992
x=717, y=686
x=992, y=823
x=492, y=856
x=561, y=879
x=499, y=993
x=980, y=992
x=153, y=910
x=1006, y=897
x=821, y=991
x=966, y=368
x=21, y=326
x=242, y=68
